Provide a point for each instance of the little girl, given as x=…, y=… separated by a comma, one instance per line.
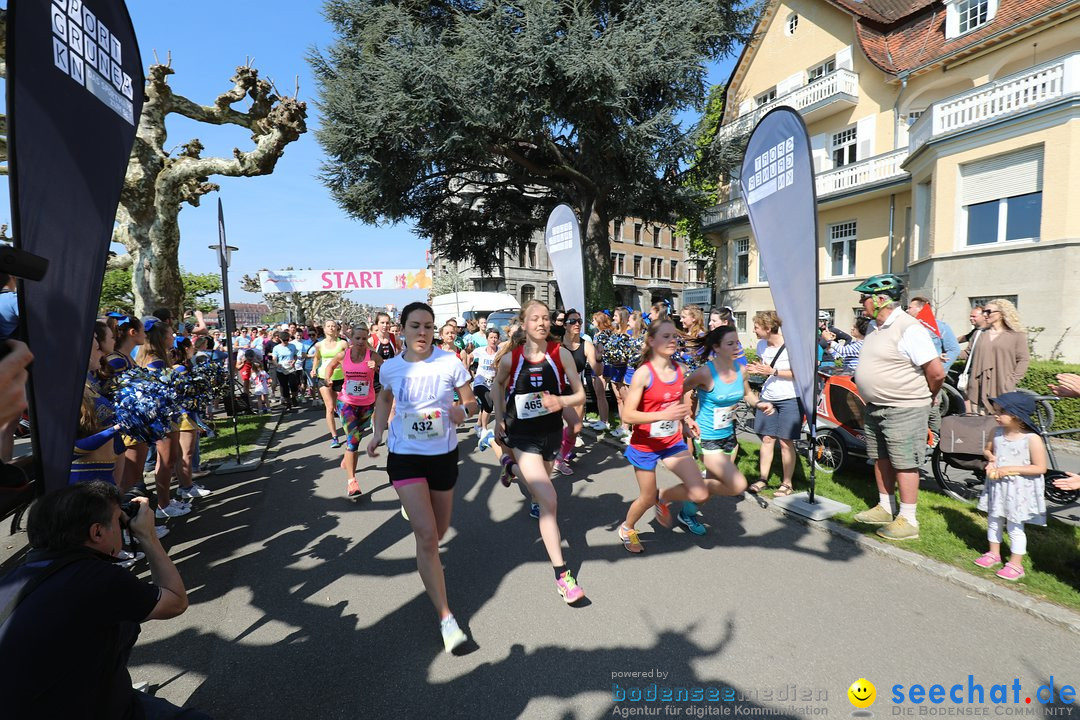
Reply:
x=1014, y=481
x=260, y=387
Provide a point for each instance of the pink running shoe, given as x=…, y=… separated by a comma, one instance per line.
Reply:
x=568, y=588
x=563, y=466
x=988, y=560
x=663, y=514
x=1010, y=572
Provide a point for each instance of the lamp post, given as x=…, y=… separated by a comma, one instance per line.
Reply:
x=224, y=252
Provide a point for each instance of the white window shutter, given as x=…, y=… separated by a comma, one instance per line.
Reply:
x=844, y=59
x=820, y=151
x=864, y=134
x=1017, y=173
x=745, y=106
x=794, y=82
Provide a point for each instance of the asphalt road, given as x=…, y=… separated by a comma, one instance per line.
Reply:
x=307, y=605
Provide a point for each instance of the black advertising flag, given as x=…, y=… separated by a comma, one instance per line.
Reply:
x=75, y=93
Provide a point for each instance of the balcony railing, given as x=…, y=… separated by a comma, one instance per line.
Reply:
x=838, y=86
x=856, y=176
x=1012, y=95
x=878, y=169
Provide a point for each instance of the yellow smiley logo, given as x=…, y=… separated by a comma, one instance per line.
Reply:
x=862, y=693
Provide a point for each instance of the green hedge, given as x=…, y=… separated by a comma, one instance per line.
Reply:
x=1039, y=375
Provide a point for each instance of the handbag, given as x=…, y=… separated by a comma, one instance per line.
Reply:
x=962, y=380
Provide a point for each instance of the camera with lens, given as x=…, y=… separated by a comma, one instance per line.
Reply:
x=130, y=508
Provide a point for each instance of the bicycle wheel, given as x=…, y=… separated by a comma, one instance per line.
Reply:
x=1044, y=411
x=1055, y=494
x=829, y=452
x=964, y=485
x=952, y=402
x=744, y=418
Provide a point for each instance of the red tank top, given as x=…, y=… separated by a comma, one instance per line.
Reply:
x=359, y=380
x=659, y=395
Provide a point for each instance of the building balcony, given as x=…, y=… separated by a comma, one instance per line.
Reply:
x=1008, y=97
x=624, y=279
x=658, y=284
x=823, y=97
x=857, y=177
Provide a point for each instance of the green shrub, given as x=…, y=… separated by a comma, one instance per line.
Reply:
x=1039, y=376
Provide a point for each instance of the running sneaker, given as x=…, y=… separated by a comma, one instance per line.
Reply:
x=663, y=514
x=335, y=443
x=534, y=510
x=563, y=466
x=353, y=489
x=619, y=432
x=568, y=588
x=691, y=522
x=195, y=491
x=630, y=540
x=507, y=476
x=161, y=531
x=173, y=509
x=452, y=635
x=598, y=425
x=127, y=559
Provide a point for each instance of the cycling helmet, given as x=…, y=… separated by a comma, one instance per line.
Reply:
x=885, y=284
x=823, y=316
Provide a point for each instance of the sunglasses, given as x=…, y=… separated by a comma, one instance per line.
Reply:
x=989, y=312
x=575, y=321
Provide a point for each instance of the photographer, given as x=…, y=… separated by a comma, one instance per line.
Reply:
x=828, y=334
x=72, y=615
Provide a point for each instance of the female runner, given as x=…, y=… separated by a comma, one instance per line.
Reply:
x=656, y=408
x=584, y=355
x=719, y=386
x=329, y=385
x=485, y=374
x=528, y=421
x=356, y=401
x=423, y=451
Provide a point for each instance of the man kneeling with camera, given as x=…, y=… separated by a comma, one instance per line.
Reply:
x=69, y=615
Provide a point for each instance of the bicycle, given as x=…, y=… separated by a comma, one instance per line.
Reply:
x=961, y=474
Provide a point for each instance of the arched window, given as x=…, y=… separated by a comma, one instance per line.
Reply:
x=792, y=23
x=527, y=292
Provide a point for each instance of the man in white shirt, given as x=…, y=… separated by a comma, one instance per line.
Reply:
x=898, y=375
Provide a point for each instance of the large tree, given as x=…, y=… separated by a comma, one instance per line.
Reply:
x=159, y=181
x=473, y=118
x=199, y=291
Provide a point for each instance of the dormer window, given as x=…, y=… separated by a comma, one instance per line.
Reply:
x=963, y=16
x=792, y=24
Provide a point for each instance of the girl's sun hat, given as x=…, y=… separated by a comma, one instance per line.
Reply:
x=1020, y=405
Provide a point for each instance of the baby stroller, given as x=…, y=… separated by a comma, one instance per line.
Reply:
x=959, y=465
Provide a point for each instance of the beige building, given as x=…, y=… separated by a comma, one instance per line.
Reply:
x=946, y=147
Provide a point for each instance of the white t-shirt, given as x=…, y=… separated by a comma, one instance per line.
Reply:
x=916, y=343
x=485, y=367
x=424, y=392
x=776, y=388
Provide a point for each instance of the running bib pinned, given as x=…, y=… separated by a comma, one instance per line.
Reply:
x=722, y=417
x=424, y=425
x=530, y=405
x=357, y=388
x=663, y=428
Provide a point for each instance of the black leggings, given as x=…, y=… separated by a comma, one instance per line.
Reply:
x=289, y=383
x=483, y=398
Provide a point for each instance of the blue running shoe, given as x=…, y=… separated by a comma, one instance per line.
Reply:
x=692, y=523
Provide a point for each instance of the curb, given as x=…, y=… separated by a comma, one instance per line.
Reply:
x=253, y=459
x=1049, y=612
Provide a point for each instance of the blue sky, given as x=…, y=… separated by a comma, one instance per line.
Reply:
x=287, y=218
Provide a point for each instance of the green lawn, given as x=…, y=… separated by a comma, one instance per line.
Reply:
x=223, y=447
x=949, y=531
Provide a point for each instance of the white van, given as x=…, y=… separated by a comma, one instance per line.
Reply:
x=466, y=305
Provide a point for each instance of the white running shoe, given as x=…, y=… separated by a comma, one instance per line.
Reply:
x=173, y=509
x=195, y=491
x=452, y=635
x=598, y=425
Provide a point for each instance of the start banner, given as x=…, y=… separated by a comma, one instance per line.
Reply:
x=275, y=281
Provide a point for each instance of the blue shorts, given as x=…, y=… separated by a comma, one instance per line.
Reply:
x=614, y=373
x=629, y=374
x=646, y=459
